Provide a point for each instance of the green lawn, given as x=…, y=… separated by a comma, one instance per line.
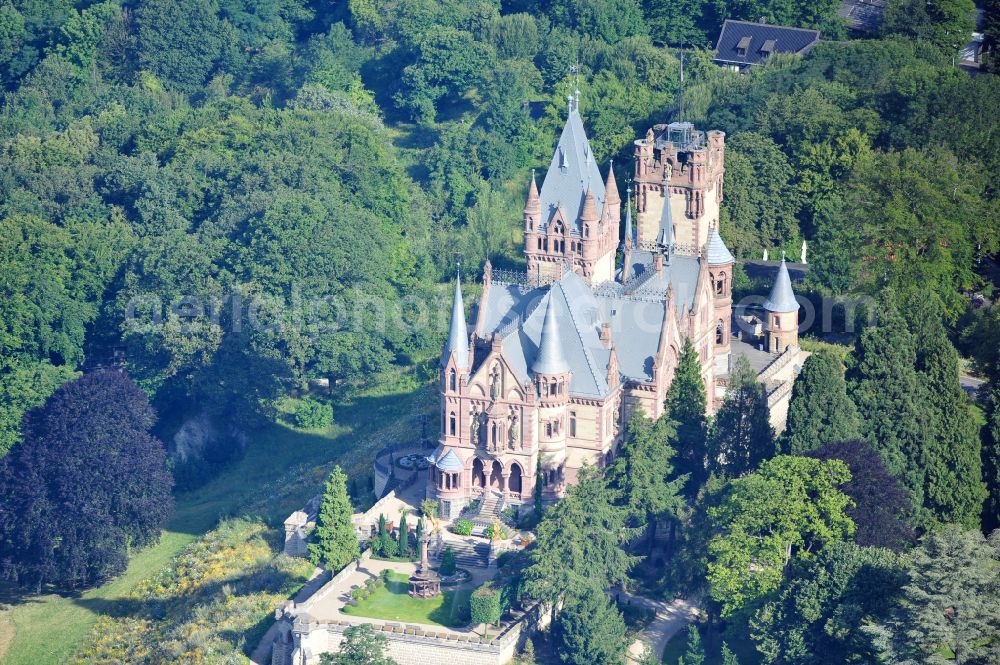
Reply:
x=281, y=469
x=391, y=603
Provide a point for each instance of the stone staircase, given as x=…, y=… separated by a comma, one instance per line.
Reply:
x=489, y=508
x=469, y=555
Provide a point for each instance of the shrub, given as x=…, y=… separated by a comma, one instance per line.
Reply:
x=448, y=566
x=462, y=527
x=385, y=576
x=311, y=414
x=495, y=530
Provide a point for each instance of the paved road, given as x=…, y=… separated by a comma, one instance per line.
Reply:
x=671, y=616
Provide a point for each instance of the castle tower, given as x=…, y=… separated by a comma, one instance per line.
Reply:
x=720, y=270
x=455, y=363
x=552, y=379
x=679, y=168
x=782, y=328
x=574, y=219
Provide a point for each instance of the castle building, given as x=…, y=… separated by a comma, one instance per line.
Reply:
x=558, y=358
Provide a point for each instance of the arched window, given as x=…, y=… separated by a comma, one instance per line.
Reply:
x=553, y=388
x=720, y=285
x=452, y=379
x=720, y=332
x=452, y=424
x=572, y=423
x=539, y=243
x=548, y=429
x=586, y=230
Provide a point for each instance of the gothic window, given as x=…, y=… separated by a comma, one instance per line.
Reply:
x=720, y=332
x=452, y=381
x=493, y=434
x=572, y=423
x=539, y=243
x=562, y=246
x=777, y=323
x=586, y=230
x=720, y=286
x=553, y=388
x=555, y=426
x=548, y=429
x=452, y=425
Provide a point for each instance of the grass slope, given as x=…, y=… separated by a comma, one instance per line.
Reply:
x=282, y=468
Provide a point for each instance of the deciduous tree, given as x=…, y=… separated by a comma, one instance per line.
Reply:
x=87, y=485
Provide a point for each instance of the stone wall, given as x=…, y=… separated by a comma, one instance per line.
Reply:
x=302, y=639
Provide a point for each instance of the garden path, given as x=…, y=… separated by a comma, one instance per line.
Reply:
x=671, y=616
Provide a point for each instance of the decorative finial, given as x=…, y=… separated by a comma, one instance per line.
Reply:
x=782, y=256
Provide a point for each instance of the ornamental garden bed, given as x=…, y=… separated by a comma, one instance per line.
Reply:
x=391, y=602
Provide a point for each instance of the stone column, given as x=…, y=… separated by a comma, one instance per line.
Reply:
x=505, y=483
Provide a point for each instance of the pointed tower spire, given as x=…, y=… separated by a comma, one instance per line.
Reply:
x=782, y=298
x=628, y=240
x=611, y=187
x=533, y=203
x=718, y=253
x=550, y=356
x=458, y=333
x=589, y=212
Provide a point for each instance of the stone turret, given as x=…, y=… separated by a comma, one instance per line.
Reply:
x=720, y=270
x=782, y=327
x=551, y=372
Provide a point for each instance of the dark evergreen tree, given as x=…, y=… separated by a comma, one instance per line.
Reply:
x=336, y=541
x=952, y=459
x=694, y=654
x=820, y=410
x=884, y=386
x=643, y=473
x=742, y=436
x=686, y=408
x=579, y=543
x=949, y=603
x=729, y=656
x=404, y=536
x=590, y=629
x=991, y=461
x=882, y=510
x=87, y=485
x=817, y=614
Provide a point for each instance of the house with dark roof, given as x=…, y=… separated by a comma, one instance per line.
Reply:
x=743, y=44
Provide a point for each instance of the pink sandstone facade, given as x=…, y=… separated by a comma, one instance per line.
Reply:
x=559, y=357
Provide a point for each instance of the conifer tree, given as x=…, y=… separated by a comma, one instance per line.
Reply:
x=643, y=473
x=404, y=535
x=742, y=436
x=951, y=460
x=335, y=541
x=695, y=652
x=729, y=656
x=991, y=462
x=820, y=411
x=590, y=629
x=884, y=386
x=949, y=604
x=686, y=407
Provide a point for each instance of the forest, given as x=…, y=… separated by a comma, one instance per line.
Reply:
x=250, y=204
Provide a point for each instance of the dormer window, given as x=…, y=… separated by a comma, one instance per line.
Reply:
x=743, y=46
x=768, y=47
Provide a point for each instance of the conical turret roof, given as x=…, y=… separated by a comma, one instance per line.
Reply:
x=718, y=253
x=458, y=333
x=533, y=202
x=550, y=356
x=629, y=238
x=611, y=187
x=589, y=212
x=782, y=298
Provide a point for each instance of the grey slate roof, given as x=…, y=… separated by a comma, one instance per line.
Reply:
x=665, y=236
x=458, y=332
x=571, y=171
x=786, y=40
x=782, y=298
x=450, y=462
x=550, y=358
x=519, y=313
x=629, y=233
x=718, y=253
